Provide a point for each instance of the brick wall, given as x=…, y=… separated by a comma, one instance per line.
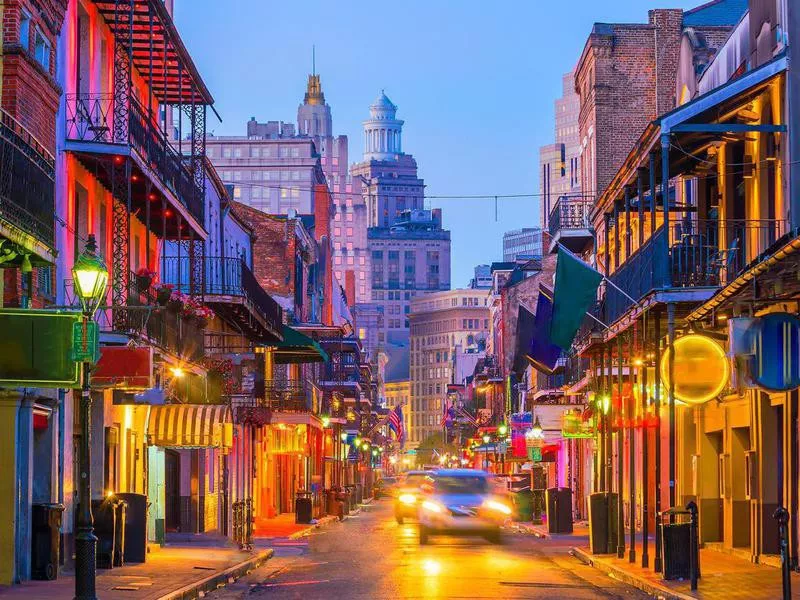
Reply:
x=30, y=93
x=625, y=78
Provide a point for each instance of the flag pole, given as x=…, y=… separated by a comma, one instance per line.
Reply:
x=606, y=279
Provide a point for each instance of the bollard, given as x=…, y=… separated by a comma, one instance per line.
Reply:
x=782, y=516
x=694, y=549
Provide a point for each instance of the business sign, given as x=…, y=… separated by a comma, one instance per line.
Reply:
x=701, y=369
x=36, y=347
x=124, y=367
x=775, y=358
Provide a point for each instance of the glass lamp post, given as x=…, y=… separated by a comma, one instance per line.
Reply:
x=90, y=278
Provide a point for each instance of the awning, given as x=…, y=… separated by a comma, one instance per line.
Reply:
x=191, y=426
x=298, y=348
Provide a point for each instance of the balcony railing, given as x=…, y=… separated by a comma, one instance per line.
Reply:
x=91, y=118
x=225, y=277
x=289, y=396
x=691, y=254
x=341, y=373
x=570, y=213
x=27, y=176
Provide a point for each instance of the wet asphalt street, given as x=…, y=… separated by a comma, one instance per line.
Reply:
x=370, y=556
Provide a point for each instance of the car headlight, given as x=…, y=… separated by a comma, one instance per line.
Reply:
x=407, y=499
x=497, y=507
x=432, y=506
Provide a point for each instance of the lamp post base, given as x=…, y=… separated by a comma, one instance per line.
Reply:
x=85, y=564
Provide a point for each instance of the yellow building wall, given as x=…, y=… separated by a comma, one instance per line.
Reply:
x=9, y=405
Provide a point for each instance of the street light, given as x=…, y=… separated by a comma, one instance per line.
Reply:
x=502, y=430
x=486, y=438
x=536, y=430
x=90, y=278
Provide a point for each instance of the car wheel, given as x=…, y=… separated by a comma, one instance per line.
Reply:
x=494, y=537
x=424, y=536
x=399, y=519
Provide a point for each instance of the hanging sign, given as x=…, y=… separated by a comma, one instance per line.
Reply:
x=701, y=369
x=85, y=342
x=775, y=359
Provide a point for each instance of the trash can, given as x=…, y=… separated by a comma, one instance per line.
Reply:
x=559, y=510
x=359, y=494
x=603, y=523
x=45, y=542
x=351, y=496
x=105, y=526
x=119, y=532
x=675, y=542
x=523, y=505
x=303, y=507
x=134, y=526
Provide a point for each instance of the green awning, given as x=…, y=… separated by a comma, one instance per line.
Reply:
x=298, y=348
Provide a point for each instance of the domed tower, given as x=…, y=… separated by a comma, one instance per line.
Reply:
x=382, y=131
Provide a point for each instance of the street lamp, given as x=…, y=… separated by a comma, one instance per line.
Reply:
x=536, y=431
x=90, y=278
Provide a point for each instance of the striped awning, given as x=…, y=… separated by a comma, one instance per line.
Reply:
x=191, y=426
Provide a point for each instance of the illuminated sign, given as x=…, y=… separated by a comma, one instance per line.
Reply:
x=775, y=359
x=701, y=369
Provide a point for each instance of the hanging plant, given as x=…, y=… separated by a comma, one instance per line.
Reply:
x=144, y=279
x=176, y=301
x=222, y=368
x=163, y=293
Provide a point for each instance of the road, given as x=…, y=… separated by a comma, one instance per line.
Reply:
x=370, y=556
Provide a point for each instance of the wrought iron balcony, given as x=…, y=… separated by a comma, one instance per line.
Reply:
x=289, y=396
x=27, y=190
x=569, y=223
x=691, y=254
x=232, y=290
x=98, y=122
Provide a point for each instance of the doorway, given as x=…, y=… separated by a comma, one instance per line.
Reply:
x=172, y=486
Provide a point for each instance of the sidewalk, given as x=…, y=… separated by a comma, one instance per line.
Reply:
x=579, y=530
x=724, y=577
x=171, y=573
x=283, y=526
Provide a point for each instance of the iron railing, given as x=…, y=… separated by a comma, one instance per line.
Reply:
x=90, y=118
x=289, y=396
x=27, y=182
x=691, y=253
x=337, y=371
x=570, y=212
x=224, y=276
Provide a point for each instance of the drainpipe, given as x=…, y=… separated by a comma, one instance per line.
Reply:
x=657, y=470
x=671, y=370
x=620, y=456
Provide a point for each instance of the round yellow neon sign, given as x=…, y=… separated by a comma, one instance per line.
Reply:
x=701, y=369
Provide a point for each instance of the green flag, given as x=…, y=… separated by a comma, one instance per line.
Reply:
x=576, y=291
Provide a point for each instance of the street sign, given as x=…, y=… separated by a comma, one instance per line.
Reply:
x=85, y=346
x=535, y=454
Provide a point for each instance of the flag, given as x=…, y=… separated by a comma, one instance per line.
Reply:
x=445, y=410
x=576, y=290
x=543, y=354
x=396, y=424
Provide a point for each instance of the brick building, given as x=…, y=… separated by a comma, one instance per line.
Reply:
x=440, y=322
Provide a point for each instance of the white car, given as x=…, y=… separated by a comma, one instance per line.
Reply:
x=461, y=502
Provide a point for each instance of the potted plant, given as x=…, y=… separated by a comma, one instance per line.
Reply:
x=176, y=301
x=202, y=316
x=144, y=279
x=163, y=293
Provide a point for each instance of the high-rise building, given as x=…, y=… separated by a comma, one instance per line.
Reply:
x=482, y=279
x=408, y=259
x=559, y=162
x=521, y=243
x=440, y=322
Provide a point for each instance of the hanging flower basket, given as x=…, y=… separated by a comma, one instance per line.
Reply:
x=163, y=293
x=201, y=322
x=176, y=301
x=144, y=279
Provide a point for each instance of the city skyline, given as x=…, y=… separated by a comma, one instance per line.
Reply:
x=433, y=82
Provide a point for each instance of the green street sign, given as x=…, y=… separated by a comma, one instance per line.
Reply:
x=535, y=454
x=87, y=350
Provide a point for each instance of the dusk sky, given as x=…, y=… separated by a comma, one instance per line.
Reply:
x=474, y=81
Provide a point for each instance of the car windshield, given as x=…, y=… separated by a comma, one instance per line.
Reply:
x=388, y=481
x=415, y=480
x=449, y=484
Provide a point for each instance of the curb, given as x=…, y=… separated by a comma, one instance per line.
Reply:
x=220, y=579
x=307, y=531
x=648, y=587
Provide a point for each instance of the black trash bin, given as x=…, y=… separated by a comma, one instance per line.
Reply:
x=603, y=523
x=45, y=542
x=675, y=542
x=134, y=527
x=105, y=528
x=559, y=510
x=303, y=507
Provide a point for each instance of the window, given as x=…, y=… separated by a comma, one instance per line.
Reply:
x=226, y=152
x=25, y=30
x=255, y=151
x=237, y=153
x=284, y=151
x=255, y=192
x=237, y=192
x=350, y=260
x=41, y=51
x=295, y=152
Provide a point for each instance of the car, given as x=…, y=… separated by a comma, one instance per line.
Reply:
x=462, y=502
x=407, y=493
x=385, y=487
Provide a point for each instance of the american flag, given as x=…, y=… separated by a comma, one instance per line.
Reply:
x=396, y=424
x=445, y=411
